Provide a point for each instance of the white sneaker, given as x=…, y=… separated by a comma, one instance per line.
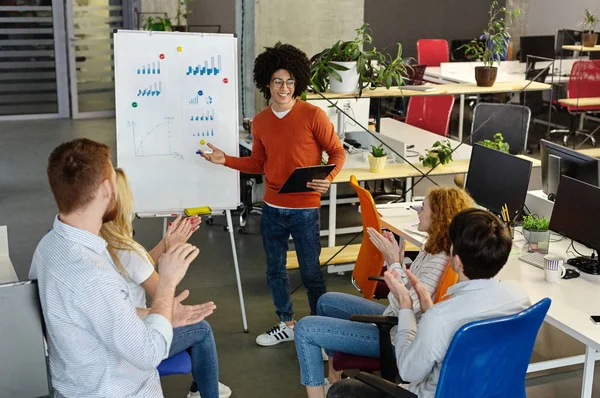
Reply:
x=224, y=392
x=325, y=356
x=278, y=334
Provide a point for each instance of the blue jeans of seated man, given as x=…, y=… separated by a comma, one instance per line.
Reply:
x=199, y=341
x=333, y=330
x=276, y=226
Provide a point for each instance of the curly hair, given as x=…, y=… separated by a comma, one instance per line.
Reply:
x=445, y=203
x=282, y=56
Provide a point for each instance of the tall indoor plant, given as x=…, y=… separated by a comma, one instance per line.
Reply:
x=588, y=24
x=183, y=11
x=346, y=67
x=493, y=45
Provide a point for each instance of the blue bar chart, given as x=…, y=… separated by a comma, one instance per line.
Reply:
x=153, y=90
x=206, y=116
x=204, y=133
x=151, y=68
x=206, y=69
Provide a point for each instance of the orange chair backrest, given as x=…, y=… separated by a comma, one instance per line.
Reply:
x=449, y=278
x=370, y=260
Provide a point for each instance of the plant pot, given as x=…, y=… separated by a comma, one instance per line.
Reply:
x=537, y=241
x=179, y=28
x=589, y=39
x=349, y=83
x=376, y=165
x=484, y=76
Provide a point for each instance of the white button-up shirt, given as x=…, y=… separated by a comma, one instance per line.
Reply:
x=98, y=345
x=420, y=353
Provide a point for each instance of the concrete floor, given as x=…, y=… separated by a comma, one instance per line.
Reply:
x=27, y=207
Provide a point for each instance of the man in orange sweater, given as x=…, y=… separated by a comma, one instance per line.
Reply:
x=289, y=133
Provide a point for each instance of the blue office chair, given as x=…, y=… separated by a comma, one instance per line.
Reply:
x=487, y=358
x=176, y=365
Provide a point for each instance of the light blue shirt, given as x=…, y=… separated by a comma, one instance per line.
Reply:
x=98, y=345
x=420, y=351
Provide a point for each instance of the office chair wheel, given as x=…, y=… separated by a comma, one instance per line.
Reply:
x=209, y=221
x=225, y=228
x=241, y=230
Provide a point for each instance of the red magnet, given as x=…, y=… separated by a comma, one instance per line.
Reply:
x=162, y=56
x=226, y=80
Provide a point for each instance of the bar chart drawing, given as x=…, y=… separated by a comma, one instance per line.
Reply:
x=153, y=90
x=204, y=116
x=156, y=141
x=193, y=101
x=204, y=133
x=151, y=68
x=202, y=70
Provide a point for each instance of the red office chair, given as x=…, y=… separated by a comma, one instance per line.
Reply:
x=584, y=82
x=431, y=113
x=432, y=52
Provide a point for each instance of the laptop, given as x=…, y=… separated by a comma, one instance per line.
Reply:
x=23, y=368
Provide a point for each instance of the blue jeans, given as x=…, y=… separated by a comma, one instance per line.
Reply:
x=333, y=330
x=276, y=226
x=199, y=341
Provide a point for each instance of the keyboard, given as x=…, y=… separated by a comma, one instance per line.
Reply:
x=535, y=259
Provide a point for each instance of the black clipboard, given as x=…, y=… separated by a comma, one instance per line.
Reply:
x=302, y=175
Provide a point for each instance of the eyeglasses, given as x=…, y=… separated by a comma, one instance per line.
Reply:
x=279, y=82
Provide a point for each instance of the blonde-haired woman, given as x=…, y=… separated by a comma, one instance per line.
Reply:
x=333, y=330
x=138, y=267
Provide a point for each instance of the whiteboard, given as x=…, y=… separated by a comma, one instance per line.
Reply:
x=175, y=92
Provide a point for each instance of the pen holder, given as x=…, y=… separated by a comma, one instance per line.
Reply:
x=537, y=241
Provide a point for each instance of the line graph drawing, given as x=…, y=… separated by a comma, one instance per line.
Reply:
x=156, y=141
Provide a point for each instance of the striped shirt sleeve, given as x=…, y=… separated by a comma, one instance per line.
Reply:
x=114, y=320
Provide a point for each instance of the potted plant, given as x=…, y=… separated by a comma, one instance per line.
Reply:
x=440, y=153
x=377, y=159
x=347, y=68
x=588, y=24
x=537, y=234
x=160, y=24
x=498, y=143
x=493, y=44
x=183, y=11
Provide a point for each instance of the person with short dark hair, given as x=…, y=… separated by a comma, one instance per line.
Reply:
x=289, y=133
x=481, y=245
x=99, y=344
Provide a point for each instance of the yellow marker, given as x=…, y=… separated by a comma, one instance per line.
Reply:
x=202, y=142
x=195, y=211
x=179, y=49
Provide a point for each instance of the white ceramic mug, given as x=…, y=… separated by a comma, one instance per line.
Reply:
x=553, y=268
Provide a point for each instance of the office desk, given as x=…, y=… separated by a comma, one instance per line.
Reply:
x=593, y=152
x=458, y=88
x=573, y=300
x=508, y=71
x=582, y=48
x=593, y=101
x=7, y=271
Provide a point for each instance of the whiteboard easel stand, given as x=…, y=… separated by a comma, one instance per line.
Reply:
x=233, y=252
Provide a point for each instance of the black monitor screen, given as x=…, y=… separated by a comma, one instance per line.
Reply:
x=576, y=212
x=538, y=46
x=572, y=164
x=496, y=178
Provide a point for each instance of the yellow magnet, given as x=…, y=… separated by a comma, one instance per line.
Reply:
x=202, y=142
x=179, y=49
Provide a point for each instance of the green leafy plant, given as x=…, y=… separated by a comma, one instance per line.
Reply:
x=183, y=11
x=440, y=152
x=375, y=69
x=378, y=151
x=158, y=24
x=590, y=21
x=496, y=35
x=535, y=224
x=498, y=143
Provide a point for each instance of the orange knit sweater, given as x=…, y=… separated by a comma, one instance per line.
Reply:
x=281, y=145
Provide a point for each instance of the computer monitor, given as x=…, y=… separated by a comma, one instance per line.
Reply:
x=575, y=215
x=566, y=37
x=496, y=178
x=538, y=46
x=558, y=160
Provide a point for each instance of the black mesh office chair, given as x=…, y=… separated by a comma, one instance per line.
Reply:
x=510, y=120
